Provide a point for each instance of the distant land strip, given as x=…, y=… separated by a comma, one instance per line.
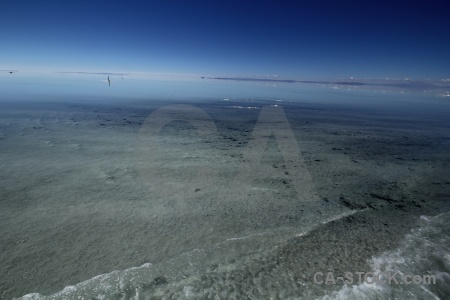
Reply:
x=413, y=84
x=287, y=80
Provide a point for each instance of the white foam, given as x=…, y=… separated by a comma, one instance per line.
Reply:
x=334, y=218
x=264, y=189
x=245, y=107
x=425, y=251
x=343, y=215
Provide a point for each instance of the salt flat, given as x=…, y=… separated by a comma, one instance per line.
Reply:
x=83, y=192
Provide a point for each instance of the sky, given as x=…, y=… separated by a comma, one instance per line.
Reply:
x=290, y=39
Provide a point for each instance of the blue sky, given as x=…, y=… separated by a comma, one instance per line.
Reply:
x=298, y=39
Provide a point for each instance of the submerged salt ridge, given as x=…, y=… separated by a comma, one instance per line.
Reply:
x=194, y=275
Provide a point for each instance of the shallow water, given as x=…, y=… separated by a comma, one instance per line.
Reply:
x=206, y=189
x=207, y=273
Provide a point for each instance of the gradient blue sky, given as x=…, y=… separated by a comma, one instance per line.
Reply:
x=298, y=39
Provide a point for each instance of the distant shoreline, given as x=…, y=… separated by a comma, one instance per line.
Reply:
x=286, y=80
x=413, y=84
